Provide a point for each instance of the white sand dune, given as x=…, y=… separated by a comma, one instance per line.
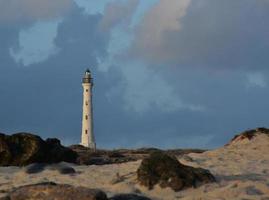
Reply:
x=241, y=168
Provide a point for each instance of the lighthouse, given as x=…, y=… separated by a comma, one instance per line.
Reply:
x=87, y=135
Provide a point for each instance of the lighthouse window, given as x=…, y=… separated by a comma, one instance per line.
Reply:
x=87, y=90
x=86, y=103
x=86, y=131
x=86, y=117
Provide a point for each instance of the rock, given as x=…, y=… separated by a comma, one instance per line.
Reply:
x=5, y=154
x=66, y=170
x=53, y=141
x=59, y=153
x=167, y=171
x=35, y=168
x=24, y=148
x=49, y=191
x=87, y=156
x=101, y=157
x=62, y=168
x=128, y=197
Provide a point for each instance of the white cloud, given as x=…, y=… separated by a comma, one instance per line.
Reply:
x=208, y=34
x=162, y=17
x=145, y=89
x=29, y=10
x=36, y=43
x=256, y=79
x=118, y=12
x=92, y=7
x=142, y=88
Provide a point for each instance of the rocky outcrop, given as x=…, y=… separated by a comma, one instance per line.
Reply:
x=58, y=153
x=100, y=157
x=167, y=171
x=48, y=191
x=249, y=134
x=24, y=148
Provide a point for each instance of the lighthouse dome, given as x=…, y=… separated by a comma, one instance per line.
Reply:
x=87, y=77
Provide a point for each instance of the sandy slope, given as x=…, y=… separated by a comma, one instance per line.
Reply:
x=242, y=170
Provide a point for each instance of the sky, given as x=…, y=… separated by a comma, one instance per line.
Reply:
x=167, y=73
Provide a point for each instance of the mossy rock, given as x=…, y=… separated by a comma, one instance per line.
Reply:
x=167, y=171
x=24, y=148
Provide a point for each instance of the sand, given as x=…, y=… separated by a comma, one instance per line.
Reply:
x=241, y=169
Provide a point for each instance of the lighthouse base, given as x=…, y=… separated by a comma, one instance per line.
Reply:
x=91, y=145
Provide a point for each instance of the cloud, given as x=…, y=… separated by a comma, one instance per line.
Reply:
x=30, y=10
x=144, y=89
x=162, y=17
x=214, y=34
x=31, y=48
x=256, y=79
x=92, y=7
x=118, y=12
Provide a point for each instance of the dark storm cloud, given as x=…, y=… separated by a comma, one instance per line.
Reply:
x=212, y=33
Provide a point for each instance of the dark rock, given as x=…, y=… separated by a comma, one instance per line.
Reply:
x=53, y=141
x=24, y=148
x=128, y=197
x=5, y=153
x=115, y=154
x=182, y=152
x=59, y=153
x=87, y=156
x=67, y=170
x=35, y=168
x=62, y=168
x=49, y=191
x=146, y=150
x=167, y=171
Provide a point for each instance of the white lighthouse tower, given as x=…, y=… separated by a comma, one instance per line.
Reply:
x=87, y=136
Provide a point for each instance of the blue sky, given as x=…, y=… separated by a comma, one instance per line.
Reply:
x=168, y=73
